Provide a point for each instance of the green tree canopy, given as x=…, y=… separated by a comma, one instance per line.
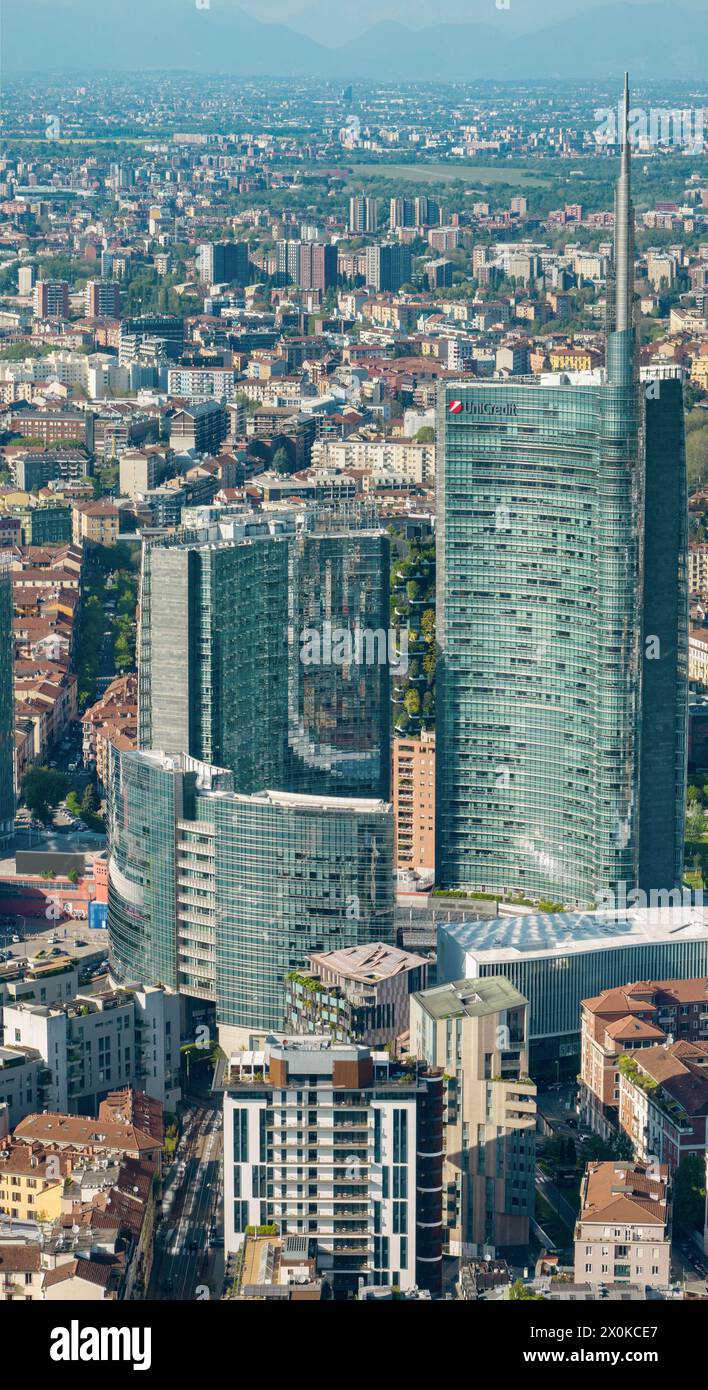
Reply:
x=689, y=1193
x=42, y=790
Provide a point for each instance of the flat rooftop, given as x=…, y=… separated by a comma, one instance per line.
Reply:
x=573, y=933
x=470, y=998
x=301, y=801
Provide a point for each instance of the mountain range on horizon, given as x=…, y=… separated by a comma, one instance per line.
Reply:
x=660, y=39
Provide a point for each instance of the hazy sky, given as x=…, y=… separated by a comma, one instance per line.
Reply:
x=331, y=21
x=336, y=21
x=655, y=38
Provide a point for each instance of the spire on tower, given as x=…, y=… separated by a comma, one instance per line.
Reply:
x=624, y=227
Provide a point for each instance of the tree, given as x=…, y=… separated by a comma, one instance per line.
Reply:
x=425, y=435
x=695, y=822
x=89, y=800
x=281, y=461
x=427, y=624
x=696, y=449
x=42, y=790
x=689, y=1193
x=521, y=1294
x=598, y=1150
x=411, y=702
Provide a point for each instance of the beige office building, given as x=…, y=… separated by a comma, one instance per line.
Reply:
x=477, y=1031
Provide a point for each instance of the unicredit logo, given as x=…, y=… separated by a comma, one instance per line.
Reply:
x=482, y=408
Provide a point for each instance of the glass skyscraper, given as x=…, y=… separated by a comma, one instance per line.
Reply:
x=229, y=671
x=339, y=726
x=212, y=652
x=7, y=796
x=561, y=523
x=220, y=895
x=148, y=794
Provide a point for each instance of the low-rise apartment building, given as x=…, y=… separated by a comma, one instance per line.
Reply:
x=22, y=1072
x=94, y=1043
x=129, y=1125
x=405, y=458
x=620, y=1021
x=623, y=1233
x=663, y=1101
x=79, y=1195
x=42, y=980
x=31, y=1183
x=95, y=523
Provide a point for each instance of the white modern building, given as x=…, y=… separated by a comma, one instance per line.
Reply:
x=47, y=981
x=196, y=384
x=96, y=1043
x=21, y=1070
x=338, y=1143
x=558, y=959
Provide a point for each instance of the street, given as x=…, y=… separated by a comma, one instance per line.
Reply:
x=184, y=1260
x=560, y=1204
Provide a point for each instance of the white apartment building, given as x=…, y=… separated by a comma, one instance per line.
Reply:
x=698, y=655
x=140, y=470
x=97, y=1043
x=698, y=568
x=97, y=372
x=42, y=981
x=402, y=458
x=335, y=1142
x=21, y=1071
x=202, y=383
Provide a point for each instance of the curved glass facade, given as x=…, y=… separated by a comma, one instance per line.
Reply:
x=293, y=875
x=538, y=628
x=144, y=799
x=220, y=895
